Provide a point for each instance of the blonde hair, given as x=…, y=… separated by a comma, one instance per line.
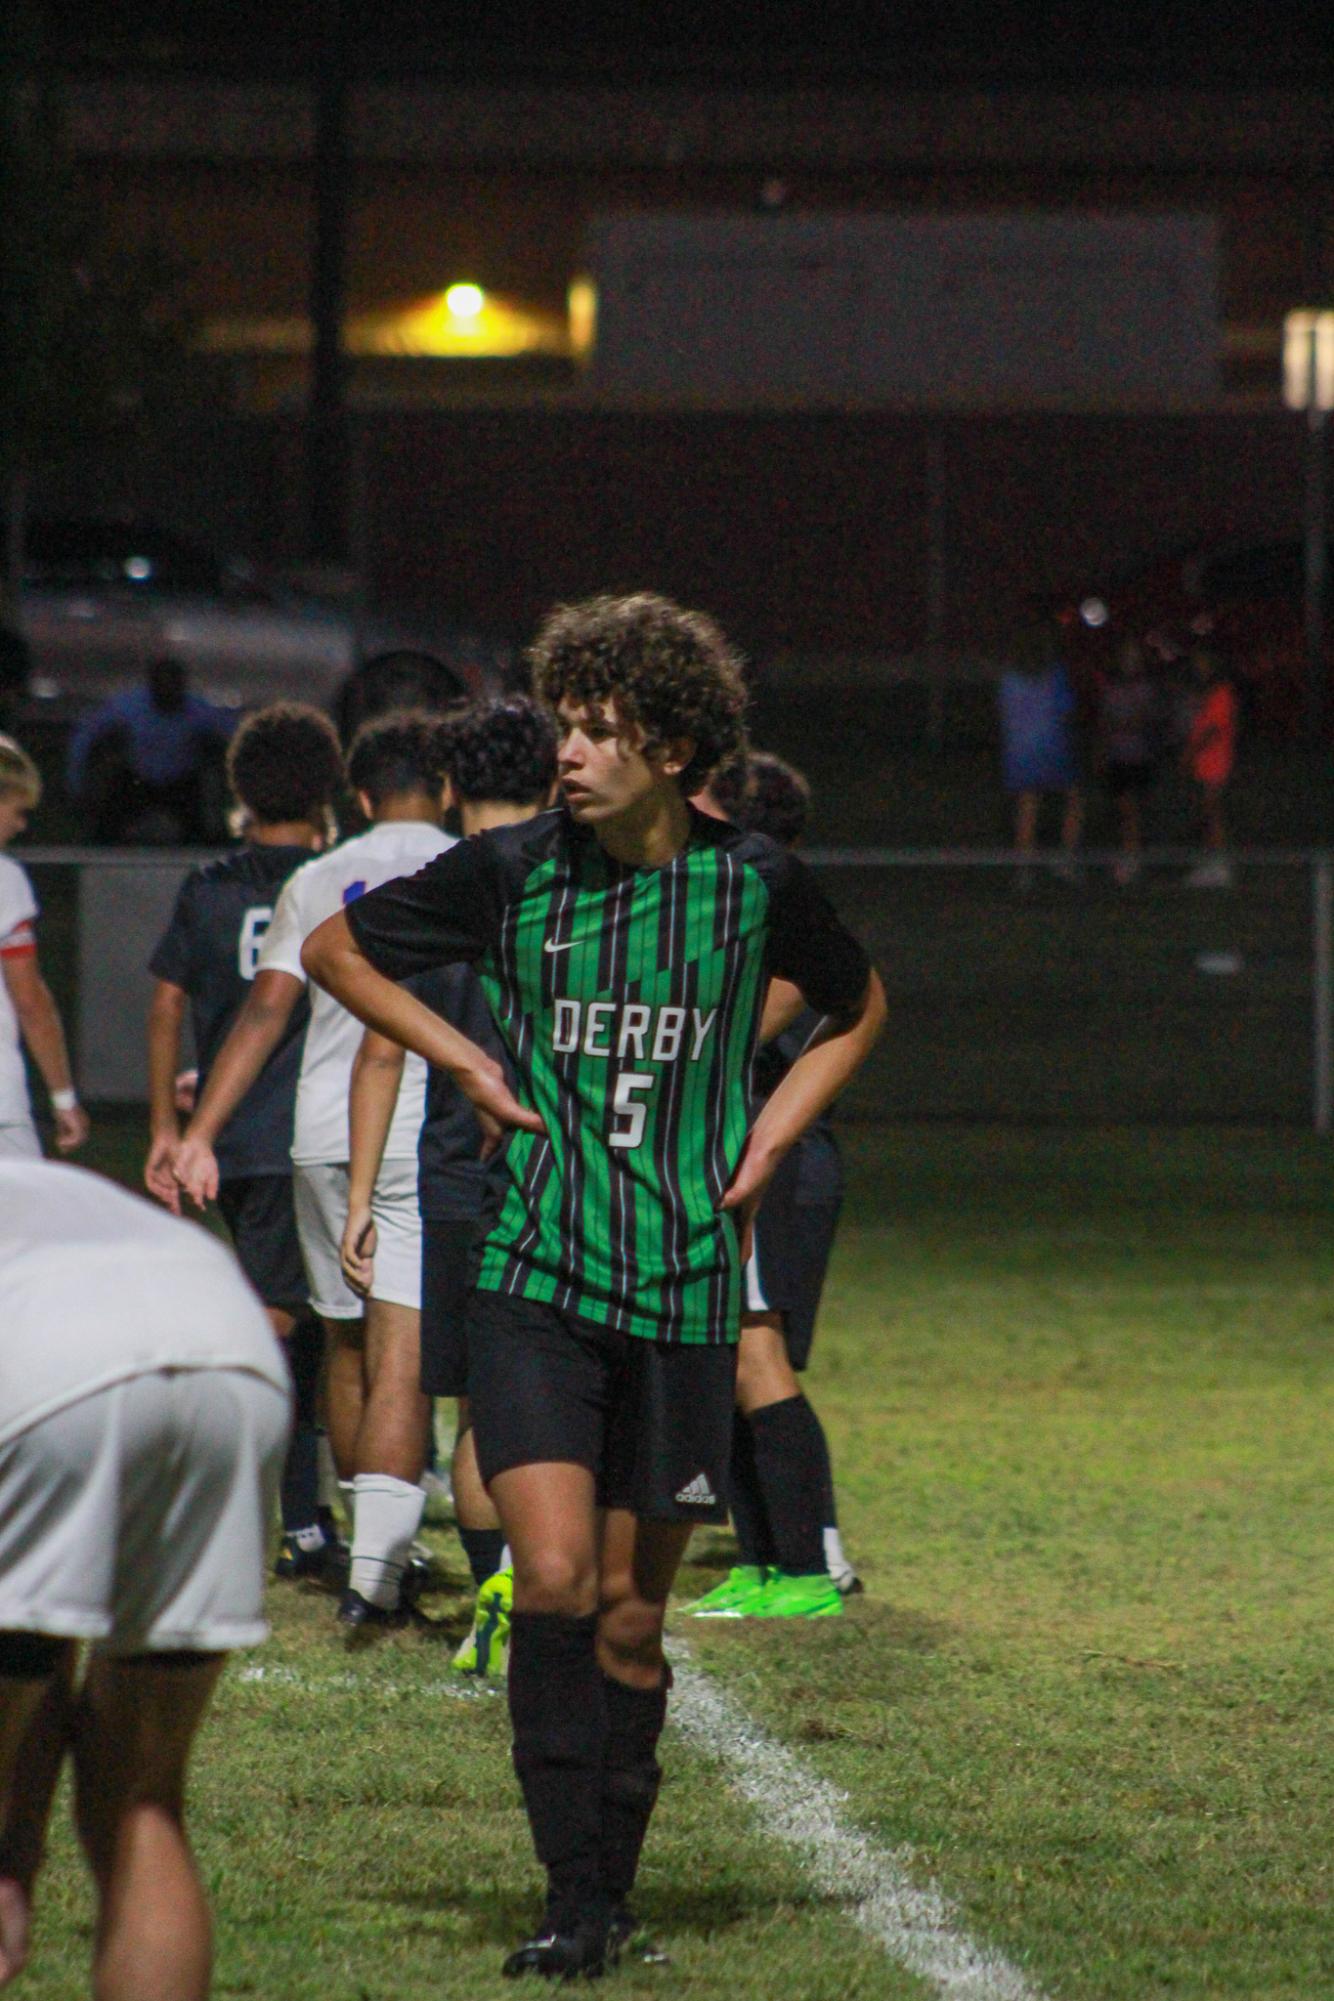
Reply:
x=18, y=773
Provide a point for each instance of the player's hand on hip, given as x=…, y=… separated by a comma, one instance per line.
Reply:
x=498, y=1110
x=71, y=1129
x=159, y=1174
x=196, y=1171
x=746, y=1189
x=357, y=1251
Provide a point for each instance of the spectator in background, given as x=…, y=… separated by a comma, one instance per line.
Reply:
x=1129, y=745
x=1210, y=753
x=1037, y=715
x=151, y=759
x=27, y=1012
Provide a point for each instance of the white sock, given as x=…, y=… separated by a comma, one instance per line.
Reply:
x=386, y=1519
x=507, y=1558
x=836, y=1562
x=308, y=1539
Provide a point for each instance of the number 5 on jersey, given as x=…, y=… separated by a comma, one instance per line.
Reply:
x=626, y=1106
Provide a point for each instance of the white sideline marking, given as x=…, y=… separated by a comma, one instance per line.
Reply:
x=914, y=1924
x=277, y=1676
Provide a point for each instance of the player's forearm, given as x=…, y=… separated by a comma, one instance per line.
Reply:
x=252, y=1039
x=43, y=1032
x=332, y=957
x=165, y=1017
x=372, y=1096
x=820, y=1073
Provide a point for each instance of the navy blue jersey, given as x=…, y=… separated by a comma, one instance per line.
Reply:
x=211, y=948
x=451, y=1174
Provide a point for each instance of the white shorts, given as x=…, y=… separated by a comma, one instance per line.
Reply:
x=138, y=1517
x=19, y=1141
x=320, y=1191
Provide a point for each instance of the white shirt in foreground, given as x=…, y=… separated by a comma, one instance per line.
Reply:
x=318, y=889
x=98, y=1286
x=18, y=906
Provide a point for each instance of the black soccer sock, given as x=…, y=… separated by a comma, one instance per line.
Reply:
x=820, y=1444
x=631, y=1778
x=749, y=1517
x=299, y=1494
x=559, y=1711
x=483, y=1549
x=791, y=1463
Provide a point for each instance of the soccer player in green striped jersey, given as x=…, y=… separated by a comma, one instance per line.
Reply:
x=625, y=943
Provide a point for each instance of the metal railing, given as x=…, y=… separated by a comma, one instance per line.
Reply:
x=1015, y=995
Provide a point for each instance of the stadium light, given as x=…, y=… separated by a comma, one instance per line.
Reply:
x=465, y=302
x=1308, y=384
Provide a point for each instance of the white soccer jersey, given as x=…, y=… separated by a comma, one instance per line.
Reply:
x=85, y=1272
x=18, y=908
x=318, y=889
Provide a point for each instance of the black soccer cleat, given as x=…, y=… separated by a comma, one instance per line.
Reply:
x=418, y=1576
x=358, y=1615
x=326, y=1565
x=580, y=1954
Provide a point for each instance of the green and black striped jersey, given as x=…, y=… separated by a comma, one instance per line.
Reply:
x=629, y=999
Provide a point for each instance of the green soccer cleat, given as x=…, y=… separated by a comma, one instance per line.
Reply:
x=726, y=1600
x=485, y=1652
x=788, y=1597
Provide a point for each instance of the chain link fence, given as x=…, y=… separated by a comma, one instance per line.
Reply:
x=1019, y=998
x=1024, y=997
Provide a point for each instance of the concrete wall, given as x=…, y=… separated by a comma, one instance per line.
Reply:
x=125, y=900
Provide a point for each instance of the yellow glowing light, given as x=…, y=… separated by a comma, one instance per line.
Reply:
x=465, y=302
x=430, y=328
x=1308, y=360
x=582, y=314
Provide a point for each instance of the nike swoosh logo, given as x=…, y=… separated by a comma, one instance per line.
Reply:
x=550, y=945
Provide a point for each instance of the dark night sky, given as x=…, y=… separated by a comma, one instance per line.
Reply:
x=1008, y=39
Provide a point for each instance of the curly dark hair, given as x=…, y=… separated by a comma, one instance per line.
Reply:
x=285, y=763
x=776, y=799
x=503, y=750
x=407, y=750
x=729, y=786
x=669, y=670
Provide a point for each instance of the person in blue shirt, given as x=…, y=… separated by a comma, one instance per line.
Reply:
x=1037, y=709
x=151, y=753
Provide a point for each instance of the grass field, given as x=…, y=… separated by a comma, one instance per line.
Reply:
x=1079, y=1391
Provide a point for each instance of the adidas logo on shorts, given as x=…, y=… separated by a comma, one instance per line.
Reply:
x=697, y=1493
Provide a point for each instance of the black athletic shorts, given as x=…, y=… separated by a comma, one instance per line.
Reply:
x=257, y=1209
x=651, y=1420
x=790, y=1249
x=447, y=1274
